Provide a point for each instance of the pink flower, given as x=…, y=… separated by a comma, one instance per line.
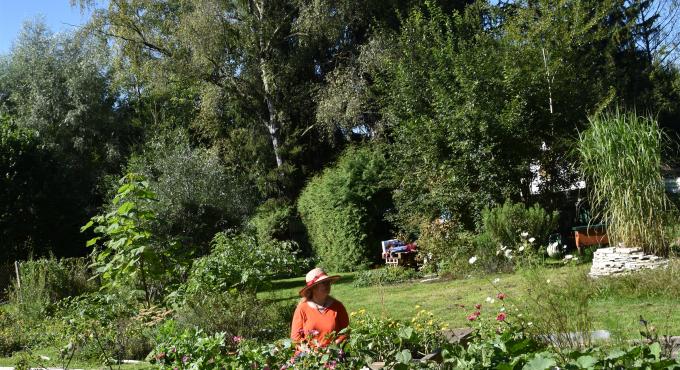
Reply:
x=236, y=339
x=478, y=306
x=473, y=316
x=313, y=332
x=501, y=296
x=501, y=316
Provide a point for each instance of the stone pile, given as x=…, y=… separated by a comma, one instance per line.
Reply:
x=618, y=260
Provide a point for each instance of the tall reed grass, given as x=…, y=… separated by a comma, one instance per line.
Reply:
x=621, y=159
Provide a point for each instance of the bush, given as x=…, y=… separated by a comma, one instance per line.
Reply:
x=272, y=219
x=445, y=246
x=343, y=210
x=236, y=314
x=197, y=194
x=505, y=224
x=240, y=262
x=43, y=283
x=108, y=327
x=385, y=275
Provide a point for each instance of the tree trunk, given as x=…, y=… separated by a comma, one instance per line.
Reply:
x=273, y=125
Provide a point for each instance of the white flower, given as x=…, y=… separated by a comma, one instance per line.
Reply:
x=531, y=240
x=568, y=257
x=490, y=300
x=508, y=253
x=472, y=260
x=519, y=315
x=496, y=280
x=564, y=246
x=503, y=247
x=502, y=309
x=530, y=323
x=548, y=281
x=524, y=234
x=521, y=248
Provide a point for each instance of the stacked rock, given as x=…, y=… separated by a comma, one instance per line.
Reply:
x=618, y=260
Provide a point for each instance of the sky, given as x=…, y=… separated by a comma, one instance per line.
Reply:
x=58, y=15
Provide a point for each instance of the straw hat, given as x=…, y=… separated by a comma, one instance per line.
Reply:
x=317, y=276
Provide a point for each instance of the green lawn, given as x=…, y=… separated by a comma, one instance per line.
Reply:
x=618, y=313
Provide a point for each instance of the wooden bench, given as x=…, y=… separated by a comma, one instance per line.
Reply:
x=590, y=235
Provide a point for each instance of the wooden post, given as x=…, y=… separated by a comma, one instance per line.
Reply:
x=16, y=269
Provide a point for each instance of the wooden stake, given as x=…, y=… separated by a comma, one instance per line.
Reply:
x=16, y=269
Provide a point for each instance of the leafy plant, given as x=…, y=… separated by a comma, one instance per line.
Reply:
x=235, y=313
x=621, y=158
x=127, y=254
x=507, y=223
x=240, y=262
x=445, y=247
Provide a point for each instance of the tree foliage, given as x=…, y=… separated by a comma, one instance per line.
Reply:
x=63, y=134
x=197, y=195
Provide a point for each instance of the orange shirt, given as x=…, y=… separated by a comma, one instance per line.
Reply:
x=307, y=319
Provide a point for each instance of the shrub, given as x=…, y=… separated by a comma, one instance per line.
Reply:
x=505, y=224
x=236, y=314
x=240, y=262
x=445, y=246
x=385, y=275
x=197, y=195
x=343, y=210
x=43, y=283
x=108, y=327
x=621, y=158
x=271, y=219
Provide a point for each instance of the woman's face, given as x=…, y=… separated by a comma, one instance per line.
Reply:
x=321, y=291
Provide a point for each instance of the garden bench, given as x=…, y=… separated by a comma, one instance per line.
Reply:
x=590, y=235
x=406, y=257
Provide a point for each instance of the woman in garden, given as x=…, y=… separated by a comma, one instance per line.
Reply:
x=319, y=317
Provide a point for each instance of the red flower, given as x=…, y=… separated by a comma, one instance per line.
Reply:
x=501, y=316
x=500, y=296
x=478, y=306
x=473, y=316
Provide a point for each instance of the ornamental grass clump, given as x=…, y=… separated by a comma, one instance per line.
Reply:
x=621, y=159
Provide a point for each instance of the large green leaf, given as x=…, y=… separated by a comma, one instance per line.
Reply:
x=539, y=363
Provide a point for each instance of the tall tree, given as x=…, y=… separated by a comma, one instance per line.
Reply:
x=61, y=134
x=252, y=65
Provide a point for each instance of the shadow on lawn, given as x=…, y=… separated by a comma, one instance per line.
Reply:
x=280, y=287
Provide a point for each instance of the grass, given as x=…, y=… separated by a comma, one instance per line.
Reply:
x=615, y=305
x=621, y=158
x=55, y=362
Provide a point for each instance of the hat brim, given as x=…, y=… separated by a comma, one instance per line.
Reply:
x=330, y=279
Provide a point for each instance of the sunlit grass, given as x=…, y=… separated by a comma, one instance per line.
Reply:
x=615, y=306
